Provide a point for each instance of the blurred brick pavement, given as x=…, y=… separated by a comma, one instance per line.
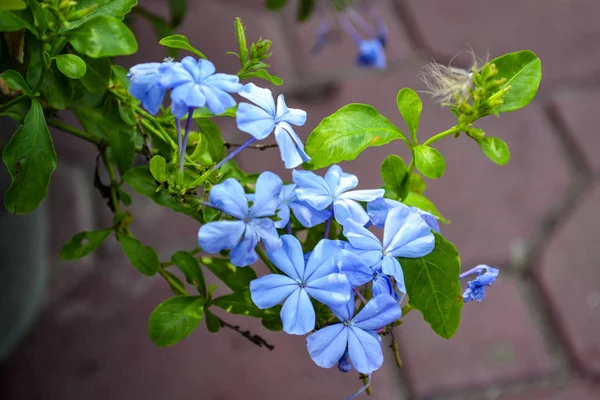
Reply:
x=535, y=337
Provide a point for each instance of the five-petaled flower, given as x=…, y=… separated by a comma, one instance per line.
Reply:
x=252, y=223
x=476, y=288
x=378, y=211
x=194, y=84
x=319, y=278
x=405, y=234
x=261, y=119
x=335, y=189
x=355, y=334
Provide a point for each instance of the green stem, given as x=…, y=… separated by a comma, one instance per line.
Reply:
x=441, y=135
x=264, y=259
x=76, y=132
x=11, y=103
x=114, y=184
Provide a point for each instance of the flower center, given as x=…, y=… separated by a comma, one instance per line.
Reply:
x=348, y=322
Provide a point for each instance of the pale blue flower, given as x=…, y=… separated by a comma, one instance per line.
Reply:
x=304, y=213
x=476, y=288
x=194, y=84
x=251, y=225
x=371, y=54
x=263, y=118
x=404, y=235
x=319, y=278
x=145, y=85
x=335, y=189
x=355, y=334
x=378, y=210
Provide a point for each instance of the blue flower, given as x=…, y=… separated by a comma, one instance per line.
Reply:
x=320, y=193
x=404, y=235
x=194, y=84
x=318, y=278
x=371, y=54
x=378, y=211
x=262, y=120
x=355, y=334
x=242, y=235
x=476, y=288
x=305, y=214
x=145, y=85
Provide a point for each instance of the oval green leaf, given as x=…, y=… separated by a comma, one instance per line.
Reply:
x=71, y=65
x=264, y=74
x=395, y=176
x=434, y=288
x=496, y=149
x=429, y=161
x=15, y=81
x=240, y=303
x=410, y=107
x=83, y=244
x=144, y=258
x=30, y=159
x=103, y=37
x=94, y=8
x=523, y=72
x=158, y=168
x=180, y=42
x=418, y=200
x=175, y=319
x=343, y=135
x=191, y=269
x=238, y=279
x=213, y=324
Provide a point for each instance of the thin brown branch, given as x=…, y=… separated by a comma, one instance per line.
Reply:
x=257, y=340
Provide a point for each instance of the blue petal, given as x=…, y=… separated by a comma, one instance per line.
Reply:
x=429, y=219
x=261, y=97
x=290, y=146
x=344, y=363
x=289, y=258
x=406, y=234
x=326, y=346
x=355, y=269
x=191, y=66
x=265, y=228
x=364, y=350
x=229, y=197
x=298, y=314
x=284, y=216
x=312, y=189
x=345, y=312
x=371, y=54
x=321, y=261
x=378, y=210
x=216, y=100
x=288, y=193
x=270, y=290
x=489, y=276
x=308, y=216
x=363, y=195
x=290, y=115
x=221, y=235
x=379, y=311
x=349, y=210
x=339, y=181
x=254, y=120
x=188, y=94
x=382, y=285
x=179, y=109
x=226, y=82
x=153, y=99
x=244, y=254
x=173, y=74
x=391, y=266
x=266, y=196
x=360, y=237
x=205, y=69
x=332, y=290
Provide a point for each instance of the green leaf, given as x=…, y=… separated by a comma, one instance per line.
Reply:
x=417, y=184
x=43, y=16
x=275, y=5
x=211, y=135
x=264, y=74
x=180, y=42
x=127, y=113
x=120, y=75
x=410, y=107
x=34, y=66
x=15, y=81
x=212, y=322
x=343, y=135
x=57, y=89
x=174, y=319
x=191, y=269
x=240, y=33
x=97, y=74
x=176, y=285
x=274, y=325
x=395, y=176
x=30, y=159
x=523, y=72
x=103, y=37
x=236, y=278
x=434, y=288
x=158, y=168
x=121, y=150
x=241, y=303
x=11, y=21
x=110, y=8
x=83, y=244
x=429, y=161
x=141, y=180
x=71, y=65
x=177, y=12
x=305, y=9
x=144, y=258
x=13, y=5
x=496, y=149
x=418, y=200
